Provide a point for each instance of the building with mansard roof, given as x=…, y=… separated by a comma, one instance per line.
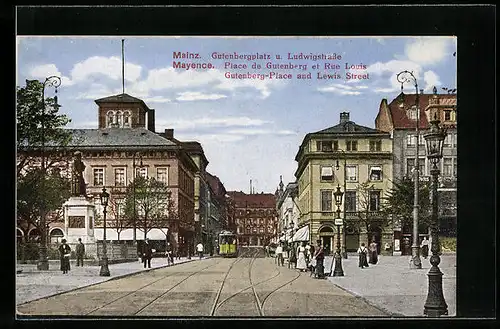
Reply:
x=123, y=146
x=399, y=118
x=348, y=156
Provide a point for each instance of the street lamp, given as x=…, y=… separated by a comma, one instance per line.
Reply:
x=43, y=262
x=134, y=166
x=338, y=221
x=404, y=77
x=435, y=304
x=104, y=196
x=337, y=167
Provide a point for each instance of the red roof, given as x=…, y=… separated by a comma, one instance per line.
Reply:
x=398, y=113
x=215, y=184
x=262, y=200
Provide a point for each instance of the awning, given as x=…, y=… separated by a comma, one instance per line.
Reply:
x=302, y=234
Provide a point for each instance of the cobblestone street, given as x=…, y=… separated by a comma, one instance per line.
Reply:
x=212, y=287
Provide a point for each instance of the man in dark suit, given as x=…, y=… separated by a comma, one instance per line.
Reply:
x=147, y=253
x=80, y=252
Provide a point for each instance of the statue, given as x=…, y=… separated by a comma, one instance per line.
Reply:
x=78, y=186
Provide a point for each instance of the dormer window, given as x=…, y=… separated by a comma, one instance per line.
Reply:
x=126, y=119
x=412, y=113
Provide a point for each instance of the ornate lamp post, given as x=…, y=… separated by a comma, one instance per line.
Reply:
x=43, y=262
x=338, y=221
x=134, y=166
x=404, y=77
x=104, y=196
x=435, y=304
x=337, y=167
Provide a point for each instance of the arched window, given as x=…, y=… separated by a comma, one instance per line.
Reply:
x=110, y=118
x=126, y=119
x=119, y=119
x=19, y=235
x=34, y=235
x=56, y=235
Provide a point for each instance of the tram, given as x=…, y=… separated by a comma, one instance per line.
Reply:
x=228, y=247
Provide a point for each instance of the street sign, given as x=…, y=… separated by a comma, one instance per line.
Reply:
x=339, y=221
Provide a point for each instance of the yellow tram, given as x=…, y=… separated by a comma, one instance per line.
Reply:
x=228, y=246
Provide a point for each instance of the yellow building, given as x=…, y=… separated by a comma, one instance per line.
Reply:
x=358, y=159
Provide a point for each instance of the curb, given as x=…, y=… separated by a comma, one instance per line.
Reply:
x=106, y=280
x=378, y=307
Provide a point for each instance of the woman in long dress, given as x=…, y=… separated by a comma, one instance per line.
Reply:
x=65, y=252
x=301, y=258
x=362, y=251
x=373, y=253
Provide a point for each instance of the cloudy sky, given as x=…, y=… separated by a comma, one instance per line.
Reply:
x=249, y=128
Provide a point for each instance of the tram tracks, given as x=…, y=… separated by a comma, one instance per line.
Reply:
x=148, y=285
x=260, y=304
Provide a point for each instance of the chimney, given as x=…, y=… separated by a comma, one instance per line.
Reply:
x=169, y=133
x=344, y=117
x=151, y=120
x=421, y=91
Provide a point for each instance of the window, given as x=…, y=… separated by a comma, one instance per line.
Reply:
x=119, y=117
x=374, y=200
x=455, y=167
x=352, y=145
x=455, y=136
x=411, y=140
x=350, y=201
x=421, y=139
x=141, y=172
x=375, y=146
x=410, y=165
x=120, y=177
x=110, y=118
x=326, y=200
x=421, y=166
x=324, y=146
x=351, y=173
x=447, y=169
x=376, y=173
x=98, y=176
x=447, y=115
x=126, y=119
x=327, y=173
x=447, y=141
x=162, y=175
x=412, y=113
x=120, y=207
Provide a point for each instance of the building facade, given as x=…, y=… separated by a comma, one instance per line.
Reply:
x=255, y=217
x=399, y=118
x=356, y=159
x=288, y=212
x=216, y=211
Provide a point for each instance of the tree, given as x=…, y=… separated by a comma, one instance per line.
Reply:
x=120, y=222
x=29, y=121
x=154, y=205
x=398, y=202
x=33, y=197
x=369, y=207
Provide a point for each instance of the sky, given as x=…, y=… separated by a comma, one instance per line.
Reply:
x=249, y=128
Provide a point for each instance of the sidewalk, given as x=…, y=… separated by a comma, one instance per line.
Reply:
x=393, y=286
x=33, y=284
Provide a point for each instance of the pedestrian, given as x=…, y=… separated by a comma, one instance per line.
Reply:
x=373, y=252
x=301, y=257
x=267, y=250
x=170, y=255
x=292, y=260
x=319, y=255
x=199, y=249
x=362, y=252
x=279, y=255
x=425, y=247
x=80, y=252
x=65, y=253
x=147, y=253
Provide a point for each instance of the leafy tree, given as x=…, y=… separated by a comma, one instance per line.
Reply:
x=399, y=202
x=29, y=121
x=154, y=205
x=119, y=222
x=367, y=213
x=33, y=197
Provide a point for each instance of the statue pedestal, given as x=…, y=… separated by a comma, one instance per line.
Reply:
x=79, y=215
